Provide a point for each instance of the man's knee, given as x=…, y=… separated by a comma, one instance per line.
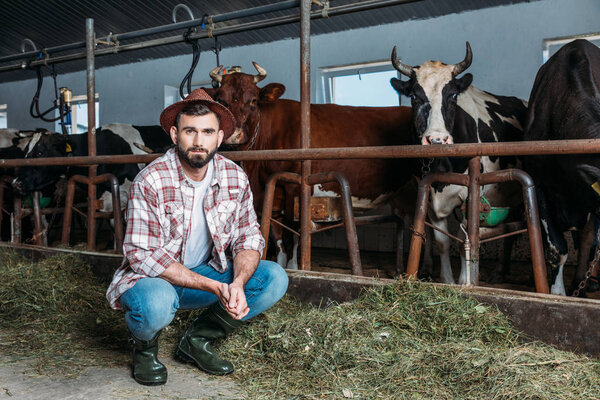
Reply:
x=150, y=305
x=274, y=278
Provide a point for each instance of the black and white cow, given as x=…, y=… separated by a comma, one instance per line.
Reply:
x=142, y=139
x=448, y=109
x=48, y=144
x=565, y=104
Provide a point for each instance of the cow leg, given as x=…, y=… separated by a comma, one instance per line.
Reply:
x=556, y=256
x=443, y=244
x=277, y=237
x=293, y=262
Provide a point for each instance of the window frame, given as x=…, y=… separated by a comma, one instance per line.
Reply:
x=328, y=74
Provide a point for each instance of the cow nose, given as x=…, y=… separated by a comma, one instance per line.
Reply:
x=438, y=139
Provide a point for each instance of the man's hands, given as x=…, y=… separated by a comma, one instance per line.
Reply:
x=233, y=298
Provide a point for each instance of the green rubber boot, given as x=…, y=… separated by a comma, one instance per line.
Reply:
x=195, y=346
x=147, y=370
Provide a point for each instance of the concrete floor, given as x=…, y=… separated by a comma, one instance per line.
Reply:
x=18, y=381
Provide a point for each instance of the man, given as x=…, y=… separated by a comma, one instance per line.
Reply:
x=185, y=210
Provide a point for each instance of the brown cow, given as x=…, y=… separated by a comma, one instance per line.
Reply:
x=264, y=121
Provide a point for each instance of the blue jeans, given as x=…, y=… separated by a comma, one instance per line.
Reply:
x=151, y=303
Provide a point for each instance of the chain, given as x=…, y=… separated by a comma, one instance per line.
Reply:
x=588, y=273
x=426, y=166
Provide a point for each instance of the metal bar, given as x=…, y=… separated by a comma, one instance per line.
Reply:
x=284, y=226
x=340, y=10
x=490, y=239
x=305, y=188
x=282, y=5
x=579, y=146
x=535, y=232
x=443, y=232
x=267, y=210
x=351, y=236
x=418, y=229
x=91, y=113
x=473, y=220
x=501, y=229
x=68, y=212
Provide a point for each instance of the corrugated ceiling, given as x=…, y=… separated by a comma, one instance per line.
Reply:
x=56, y=22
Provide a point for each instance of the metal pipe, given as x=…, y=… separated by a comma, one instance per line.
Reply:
x=351, y=236
x=267, y=210
x=305, y=188
x=282, y=5
x=418, y=229
x=473, y=221
x=334, y=11
x=579, y=146
x=91, y=114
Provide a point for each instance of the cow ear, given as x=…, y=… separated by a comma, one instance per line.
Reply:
x=211, y=91
x=463, y=83
x=271, y=92
x=402, y=87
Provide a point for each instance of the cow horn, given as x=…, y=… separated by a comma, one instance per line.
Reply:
x=215, y=74
x=262, y=73
x=143, y=148
x=402, y=68
x=464, y=64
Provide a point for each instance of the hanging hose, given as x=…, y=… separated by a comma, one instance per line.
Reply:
x=187, y=80
x=34, y=108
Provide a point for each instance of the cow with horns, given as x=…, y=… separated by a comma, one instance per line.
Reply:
x=264, y=121
x=446, y=110
x=565, y=104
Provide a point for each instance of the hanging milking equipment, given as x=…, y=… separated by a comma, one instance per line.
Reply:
x=62, y=102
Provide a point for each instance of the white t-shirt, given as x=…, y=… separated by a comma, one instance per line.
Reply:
x=199, y=242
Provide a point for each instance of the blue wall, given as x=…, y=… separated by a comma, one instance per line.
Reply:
x=506, y=43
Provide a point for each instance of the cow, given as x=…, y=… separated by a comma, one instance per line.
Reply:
x=265, y=121
x=145, y=139
x=449, y=109
x=47, y=144
x=565, y=104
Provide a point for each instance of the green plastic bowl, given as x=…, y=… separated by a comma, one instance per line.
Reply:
x=495, y=216
x=44, y=202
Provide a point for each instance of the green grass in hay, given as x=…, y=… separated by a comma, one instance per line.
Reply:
x=407, y=341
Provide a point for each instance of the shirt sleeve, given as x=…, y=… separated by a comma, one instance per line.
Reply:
x=249, y=237
x=143, y=239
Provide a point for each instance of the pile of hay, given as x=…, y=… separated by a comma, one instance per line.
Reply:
x=409, y=340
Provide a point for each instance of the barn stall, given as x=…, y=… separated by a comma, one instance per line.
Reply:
x=523, y=308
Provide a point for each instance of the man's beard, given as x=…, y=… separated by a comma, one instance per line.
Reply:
x=195, y=160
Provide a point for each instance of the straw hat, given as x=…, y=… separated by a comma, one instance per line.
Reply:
x=226, y=119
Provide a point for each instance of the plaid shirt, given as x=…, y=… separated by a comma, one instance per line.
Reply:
x=159, y=220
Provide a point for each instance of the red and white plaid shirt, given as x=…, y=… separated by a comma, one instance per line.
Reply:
x=159, y=220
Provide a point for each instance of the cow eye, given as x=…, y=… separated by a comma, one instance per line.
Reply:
x=454, y=96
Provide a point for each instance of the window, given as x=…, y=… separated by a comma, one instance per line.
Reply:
x=551, y=46
x=3, y=117
x=78, y=121
x=366, y=84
